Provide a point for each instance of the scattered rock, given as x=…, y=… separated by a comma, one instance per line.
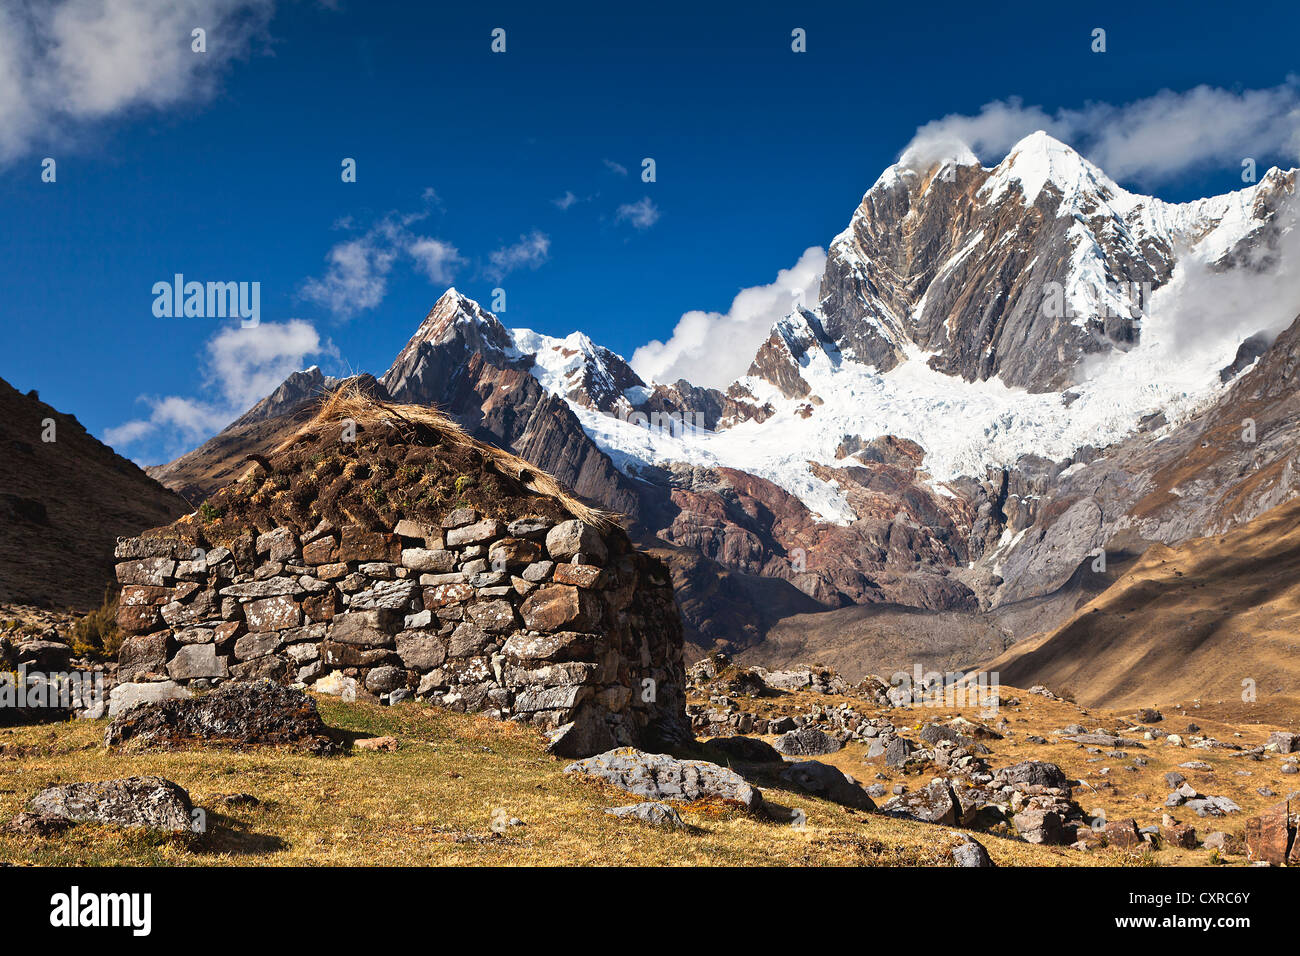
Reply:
x=661, y=777
x=970, y=852
x=807, y=742
x=135, y=802
x=829, y=783
x=235, y=714
x=656, y=814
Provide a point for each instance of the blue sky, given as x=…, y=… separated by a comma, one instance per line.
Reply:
x=226, y=165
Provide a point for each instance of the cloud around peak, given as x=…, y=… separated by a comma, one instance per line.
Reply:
x=1147, y=141
x=716, y=348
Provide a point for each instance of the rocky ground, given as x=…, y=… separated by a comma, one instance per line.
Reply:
x=824, y=773
x=419, y=785
x=1180, y=784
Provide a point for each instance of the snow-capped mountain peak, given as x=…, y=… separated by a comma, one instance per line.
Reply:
x=1039, y=161
x=983, y=314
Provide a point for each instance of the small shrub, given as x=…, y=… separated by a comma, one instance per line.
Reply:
x=96, y=634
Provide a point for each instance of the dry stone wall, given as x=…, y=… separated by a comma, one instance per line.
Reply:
x=557, y=625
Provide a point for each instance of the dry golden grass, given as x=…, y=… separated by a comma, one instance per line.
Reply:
x=1194, y=621
x=430, y=803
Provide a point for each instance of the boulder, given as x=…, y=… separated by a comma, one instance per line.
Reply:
x=1032, y=773
x=933, y=803
x=970, y=852
x=135, y=802
x=661, y=777
x=1040, y=825
x=1181, y=835
x=1123, y=833
x=829, y=783
x=656, y=814
x=1284, y=742
x=807, y=742
x=1268, y=836
x=897, y=751
x=235, y=714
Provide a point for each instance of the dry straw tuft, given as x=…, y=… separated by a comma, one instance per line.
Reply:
x=426, y=425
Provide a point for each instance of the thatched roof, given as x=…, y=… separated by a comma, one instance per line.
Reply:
x=427, y=425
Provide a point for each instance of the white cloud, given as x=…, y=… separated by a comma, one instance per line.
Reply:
x=435, y=258
x=617, y=168
x=1261, y=294
x=530, y=252
x=241, y=367
x=67, y=63
x=246, y=365
x=716, y=348
x=357, y=277
x=567, y=200
x=1150, y=140
x=641, y=214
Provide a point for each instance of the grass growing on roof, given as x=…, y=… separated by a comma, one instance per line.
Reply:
x=406, y=461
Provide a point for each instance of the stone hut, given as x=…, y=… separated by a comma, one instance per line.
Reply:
x=380, y=550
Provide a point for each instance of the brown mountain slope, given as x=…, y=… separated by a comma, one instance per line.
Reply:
x=881, y=639
x=1189, y=622
x=63, y=504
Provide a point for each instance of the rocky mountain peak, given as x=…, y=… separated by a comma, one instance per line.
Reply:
x=299, y=387
x=457, y=315
x=786, y=351
x=575, y=367
x=455, y=328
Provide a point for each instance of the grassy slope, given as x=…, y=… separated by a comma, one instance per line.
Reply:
x=430, y=802
x=1184, y=623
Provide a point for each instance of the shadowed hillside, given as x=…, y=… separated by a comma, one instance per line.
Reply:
x=1189, y=622
x=63, y=505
